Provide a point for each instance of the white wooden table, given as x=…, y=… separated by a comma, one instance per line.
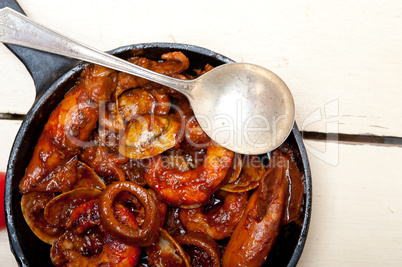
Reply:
x=342, y=61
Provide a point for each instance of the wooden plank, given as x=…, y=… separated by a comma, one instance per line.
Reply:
x=341, y=56
x=17, y=91
x=6, y=257
x=8, y=131
x=356, y=212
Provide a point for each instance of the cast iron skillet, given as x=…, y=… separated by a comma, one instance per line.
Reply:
x=53, y=77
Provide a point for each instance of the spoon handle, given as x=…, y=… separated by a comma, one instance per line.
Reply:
x=15, y=28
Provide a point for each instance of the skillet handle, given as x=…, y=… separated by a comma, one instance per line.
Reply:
x=45, y=68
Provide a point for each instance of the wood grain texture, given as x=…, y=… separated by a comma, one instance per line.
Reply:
x=6, y=257
x=357, y=210
x=342, y=60
x=8, y=131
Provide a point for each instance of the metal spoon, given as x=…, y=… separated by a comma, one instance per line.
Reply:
x=242, y=107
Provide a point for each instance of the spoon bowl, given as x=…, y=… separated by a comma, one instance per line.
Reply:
x=242, y=107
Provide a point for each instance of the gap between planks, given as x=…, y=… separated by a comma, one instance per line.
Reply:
x=308, y=135
x=353, y=139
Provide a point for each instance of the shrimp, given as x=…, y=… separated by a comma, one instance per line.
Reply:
x=61, y=179
x=84, y=216
x=70, y=124
x=219, y=220
x=259, y=227
x=193, y=186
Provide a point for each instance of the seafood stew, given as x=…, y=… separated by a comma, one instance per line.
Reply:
x=122, y=153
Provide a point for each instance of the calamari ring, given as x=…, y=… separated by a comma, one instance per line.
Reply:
x=147, y=233
x=204, y=242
